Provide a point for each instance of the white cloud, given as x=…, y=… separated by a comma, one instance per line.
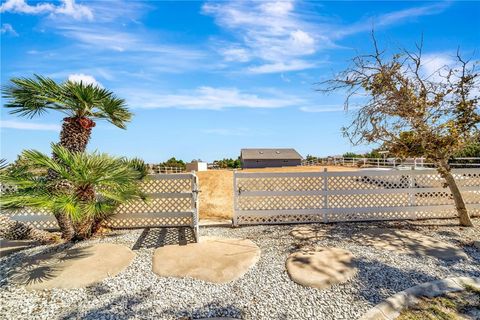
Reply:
x=236, y=54
x=273, y=34
x=8, y=29
x=293, y=65
x=436, y=62
x=76, y=11
x=209, y=98
x=84, y=78
x=20, y=6
x=390, y=18
x=11, y=124
x=68, y=8
x=279, y=8
x=270, y=32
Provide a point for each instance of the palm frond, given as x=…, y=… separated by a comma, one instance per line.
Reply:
x=114, y=181
x=30, y=97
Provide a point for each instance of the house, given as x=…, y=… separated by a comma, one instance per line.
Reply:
x=263, y=158
x=196, y=166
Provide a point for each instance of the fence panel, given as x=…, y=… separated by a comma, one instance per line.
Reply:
x=172, y=202
x=263, y=198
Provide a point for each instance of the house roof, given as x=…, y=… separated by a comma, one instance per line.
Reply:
x=270, y=154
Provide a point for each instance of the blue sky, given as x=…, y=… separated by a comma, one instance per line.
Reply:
x=205, y=79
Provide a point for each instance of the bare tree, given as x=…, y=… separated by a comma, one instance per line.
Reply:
x=410, y=110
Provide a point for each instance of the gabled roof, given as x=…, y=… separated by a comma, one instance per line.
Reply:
x=270, y=154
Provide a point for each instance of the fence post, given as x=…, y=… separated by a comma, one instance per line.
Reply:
x=235, y=198
x=325, y=199
x=411, y=187
x=195, y=200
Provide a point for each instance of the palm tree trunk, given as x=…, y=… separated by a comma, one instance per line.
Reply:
x=463, y=216
x=74, y=136
x=76, y=133
x=16, y=230
x=66, y=226
x=84, y=228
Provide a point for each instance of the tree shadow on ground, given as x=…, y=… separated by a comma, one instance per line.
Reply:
x=25, y=268
x=392, y=237
x=43, y=267
x=142, y=305
x=159, y=237
x=377, y=280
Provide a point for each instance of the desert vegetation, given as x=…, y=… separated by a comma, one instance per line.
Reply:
x=83, y=104
x=411, y=112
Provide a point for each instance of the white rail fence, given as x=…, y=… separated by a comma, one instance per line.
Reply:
x=172, y=202
x=272, y=198
x=416, y=163
x=156, y=169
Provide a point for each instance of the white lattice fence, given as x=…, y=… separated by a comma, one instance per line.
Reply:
x=263, y=198
x=172, y=202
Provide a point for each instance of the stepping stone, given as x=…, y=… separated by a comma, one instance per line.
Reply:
x=213, y=259
x=307, y=233
x=10, y=246
x=73, y=268
x=320, y=268
x=409, y=242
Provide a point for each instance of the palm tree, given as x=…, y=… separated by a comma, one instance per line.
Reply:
x=94, y=185
x=82, y=103
x=17, y=230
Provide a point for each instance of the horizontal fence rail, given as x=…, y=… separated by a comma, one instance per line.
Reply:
x=298, y=197
x=172, y=202
x=416, y=163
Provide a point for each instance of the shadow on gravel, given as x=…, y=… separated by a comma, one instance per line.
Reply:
x=378, y=280
x=159, y=237
x=400, y=240
x=143, y=305
x=122, y=307
x=24, y=268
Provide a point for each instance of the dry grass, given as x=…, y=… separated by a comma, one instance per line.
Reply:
x=451, y=306
x=216, y=199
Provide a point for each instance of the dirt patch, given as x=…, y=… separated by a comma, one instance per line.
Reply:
x=216, y=198
x=456, y=305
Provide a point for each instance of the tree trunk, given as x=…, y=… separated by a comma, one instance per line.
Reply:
x=66, y=226
x=74, y=136
x=83, y=228
x=445, y=172
x=16, y=230
x=76, y=133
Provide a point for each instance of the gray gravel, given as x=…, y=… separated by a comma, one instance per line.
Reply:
x=265, y=292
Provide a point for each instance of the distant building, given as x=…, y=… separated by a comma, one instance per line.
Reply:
x=196, y=166
x=264, y=158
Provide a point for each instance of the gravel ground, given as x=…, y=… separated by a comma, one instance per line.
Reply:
x=265, y=292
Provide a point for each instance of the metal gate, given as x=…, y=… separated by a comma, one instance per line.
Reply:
x=300, y=197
